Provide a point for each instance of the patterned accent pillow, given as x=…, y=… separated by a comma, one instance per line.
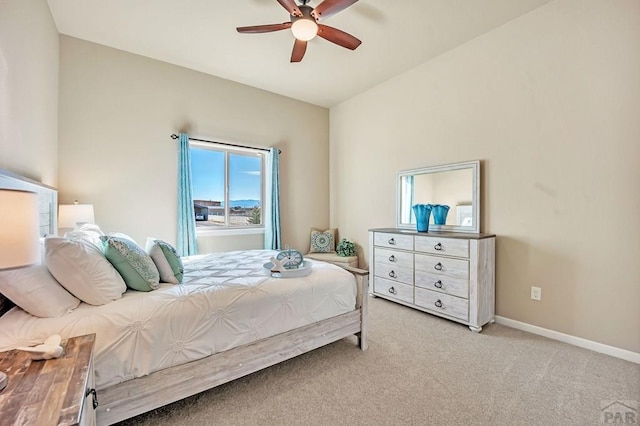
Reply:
x=166, y=258
x=322, y=241
x=134, y=264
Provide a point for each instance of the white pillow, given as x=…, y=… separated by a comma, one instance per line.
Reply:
x=167, y=261
x=88, y=232
x=82, y=269
x=36, y=291
x=122, y=235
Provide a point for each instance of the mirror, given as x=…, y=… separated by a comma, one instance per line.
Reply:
x=455, y=185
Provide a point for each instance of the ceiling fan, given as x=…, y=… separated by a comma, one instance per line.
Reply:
x=305, y=25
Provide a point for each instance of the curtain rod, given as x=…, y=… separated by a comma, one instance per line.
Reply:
x=174, y=136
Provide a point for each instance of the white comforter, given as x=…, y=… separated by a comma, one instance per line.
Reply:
x=225, y=301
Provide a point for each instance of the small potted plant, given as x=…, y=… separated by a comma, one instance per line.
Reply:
x=346, y=248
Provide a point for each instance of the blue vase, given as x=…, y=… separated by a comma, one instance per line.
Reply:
x=440, y=213
x=422, y=212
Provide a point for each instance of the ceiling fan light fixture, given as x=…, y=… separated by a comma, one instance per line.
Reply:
x=304, y=29
x=304, y=25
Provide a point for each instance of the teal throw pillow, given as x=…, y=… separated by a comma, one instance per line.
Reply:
x=132, y=262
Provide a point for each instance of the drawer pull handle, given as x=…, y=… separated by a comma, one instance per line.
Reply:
x=438, y=266
x=392, y=241
x=437, y=247
x=438, y=284
x=393, y=274
x=438, y=303
x=392, y=258
x=95, y=397
x=392, y=290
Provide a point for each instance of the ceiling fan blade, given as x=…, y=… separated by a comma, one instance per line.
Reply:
x=264, y=28
x=299, y=49
x=330, y=7
x=291, y=7
x=338, y=37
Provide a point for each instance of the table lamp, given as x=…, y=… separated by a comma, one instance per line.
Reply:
x=19, y=235
x=73, y=216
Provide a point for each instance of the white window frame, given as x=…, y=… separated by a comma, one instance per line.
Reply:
x=227, y=229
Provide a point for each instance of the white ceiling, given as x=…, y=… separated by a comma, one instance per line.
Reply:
x=201, y=35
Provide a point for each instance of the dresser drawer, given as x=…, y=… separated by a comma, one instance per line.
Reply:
x=454, y=268
x=443, y=284
x=442, y=303
x=445, y=246
x=442, y=273
x=393, y=289
x=400, y=259
x=394, y=272
x=399, y=241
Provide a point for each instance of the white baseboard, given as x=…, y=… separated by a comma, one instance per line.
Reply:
x=572, y=340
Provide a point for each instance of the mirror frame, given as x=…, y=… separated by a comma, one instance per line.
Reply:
x=475, y=201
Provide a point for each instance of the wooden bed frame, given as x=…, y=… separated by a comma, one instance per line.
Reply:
x=137, y=396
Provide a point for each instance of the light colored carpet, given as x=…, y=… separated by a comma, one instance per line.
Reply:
x=419, y=369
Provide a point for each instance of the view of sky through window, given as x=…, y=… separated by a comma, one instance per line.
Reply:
x=207, y=169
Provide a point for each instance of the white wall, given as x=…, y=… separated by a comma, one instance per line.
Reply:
x=550, y=103
x=28, y=90
x=117, y=111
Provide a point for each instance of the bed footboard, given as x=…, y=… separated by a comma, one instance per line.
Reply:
x=362, y=280
x=137, y=396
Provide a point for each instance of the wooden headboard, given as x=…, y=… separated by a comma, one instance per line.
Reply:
x=47, y=199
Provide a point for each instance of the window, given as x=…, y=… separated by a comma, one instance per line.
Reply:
x=228, y=186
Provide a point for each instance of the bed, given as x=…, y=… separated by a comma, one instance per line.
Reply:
x=227, y=319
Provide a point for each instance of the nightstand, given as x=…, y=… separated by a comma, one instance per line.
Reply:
x=57, y=391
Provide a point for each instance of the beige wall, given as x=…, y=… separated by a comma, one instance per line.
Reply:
x=452, y=188
x=117, y=111
x=28, y=90
x=550, y=103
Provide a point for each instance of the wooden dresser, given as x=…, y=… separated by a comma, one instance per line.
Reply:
x=451, y=274
x=58, y=391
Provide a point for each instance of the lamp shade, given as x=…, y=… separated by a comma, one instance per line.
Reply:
x=19, y=229
x=75, y=215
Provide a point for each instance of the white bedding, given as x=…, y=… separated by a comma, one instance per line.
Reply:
x=225, y=301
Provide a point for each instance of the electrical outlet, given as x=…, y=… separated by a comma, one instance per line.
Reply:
x=536, y=293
